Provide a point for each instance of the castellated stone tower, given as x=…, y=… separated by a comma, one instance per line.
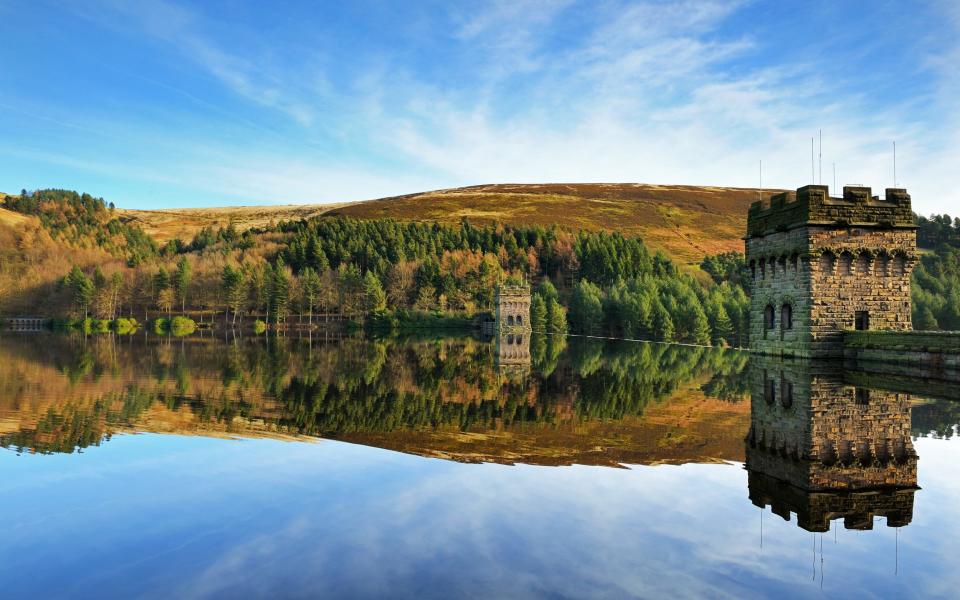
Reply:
x=513, y=308
x=824, y=449
x=821, y=265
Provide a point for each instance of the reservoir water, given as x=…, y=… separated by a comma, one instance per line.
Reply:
x=453, y=467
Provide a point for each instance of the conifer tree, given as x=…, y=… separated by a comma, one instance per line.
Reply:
x=81, y=289
x=556, y=317
x=181, y=282
x=538, y=313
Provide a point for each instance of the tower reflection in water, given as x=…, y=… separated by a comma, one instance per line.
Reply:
x=826, y=450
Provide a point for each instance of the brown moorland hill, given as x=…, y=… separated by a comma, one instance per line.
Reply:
x=184, y=223
x=686, y=222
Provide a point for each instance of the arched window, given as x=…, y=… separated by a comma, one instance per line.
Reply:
x=763, y=268
x=882, y=264
x=519, y=319
x=827, y=262
x=769, y=389
x=786, y=317
x=769, y=317
x=846, y=264
x=899, y=264
x=795, y=263
x=786, y=393
x=509, y=319
x=863, y=264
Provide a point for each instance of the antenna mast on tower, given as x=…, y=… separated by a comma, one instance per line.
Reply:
x=895, y=164
x=813, y=169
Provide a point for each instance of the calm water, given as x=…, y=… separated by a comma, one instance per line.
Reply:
x=443, y=468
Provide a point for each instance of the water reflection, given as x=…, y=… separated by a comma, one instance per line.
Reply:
x=542, y=400
x=824, y=449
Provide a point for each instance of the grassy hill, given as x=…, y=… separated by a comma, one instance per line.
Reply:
x=686, y=222
x=184, y=223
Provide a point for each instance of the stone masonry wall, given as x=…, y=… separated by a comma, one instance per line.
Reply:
x=858, y=269
x=818, y=433
x=780, y=276
x=826, y=259
x=513, y=309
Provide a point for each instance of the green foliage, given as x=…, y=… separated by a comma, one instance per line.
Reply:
x=375, y=299
x=407, y=320
x=556, y=317
x=279, y=293
x=81, y=289
x=538, y=312
x=936, y=290
x=232, y=283
x=586, y=308
x=180, y=326
x=181, y=281
x=380, y=386
x=125, y=326
x=729, y=267
x=938, y=230
x=161, y=326
x=83, y=220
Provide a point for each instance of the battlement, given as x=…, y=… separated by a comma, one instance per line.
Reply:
x=813, y=205
x=513, y=290
x=815, y=510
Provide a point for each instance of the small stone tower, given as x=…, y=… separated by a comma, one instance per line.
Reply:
x=821, y=265
x=513, y=308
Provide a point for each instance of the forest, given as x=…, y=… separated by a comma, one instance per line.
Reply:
x=936, y=278
x=86, y=261
x=285, y=386
x=336, y=267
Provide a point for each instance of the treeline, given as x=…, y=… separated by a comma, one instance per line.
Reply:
x=593, y=282
x=356, y=386
x=936, y=278
x=82, y=219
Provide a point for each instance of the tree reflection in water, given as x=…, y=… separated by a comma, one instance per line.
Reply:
x=546, y=399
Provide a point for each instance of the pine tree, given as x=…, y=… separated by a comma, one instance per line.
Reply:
x=311, y=290
x=586, y=308
x=375, y=299
x=181, y=282
x=279, y=293
x=662, y=323
x=556, y=317
x=81, y=288
x=538, y=313
x=234, y=290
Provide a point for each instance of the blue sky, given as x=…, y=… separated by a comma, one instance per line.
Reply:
x=166, y=103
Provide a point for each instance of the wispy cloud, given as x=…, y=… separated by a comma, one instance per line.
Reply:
x=670, y=92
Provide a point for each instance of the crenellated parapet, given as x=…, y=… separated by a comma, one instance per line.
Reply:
x=813, y=205
x=821, y=265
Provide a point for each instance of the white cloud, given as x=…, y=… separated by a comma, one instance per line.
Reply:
x=640, y=91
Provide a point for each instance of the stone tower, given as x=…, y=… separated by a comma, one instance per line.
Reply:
x=821, y=265
x=824, y=449
x=513, y=308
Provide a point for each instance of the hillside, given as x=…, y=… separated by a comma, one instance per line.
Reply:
x=686, y=222
x=184, y=223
